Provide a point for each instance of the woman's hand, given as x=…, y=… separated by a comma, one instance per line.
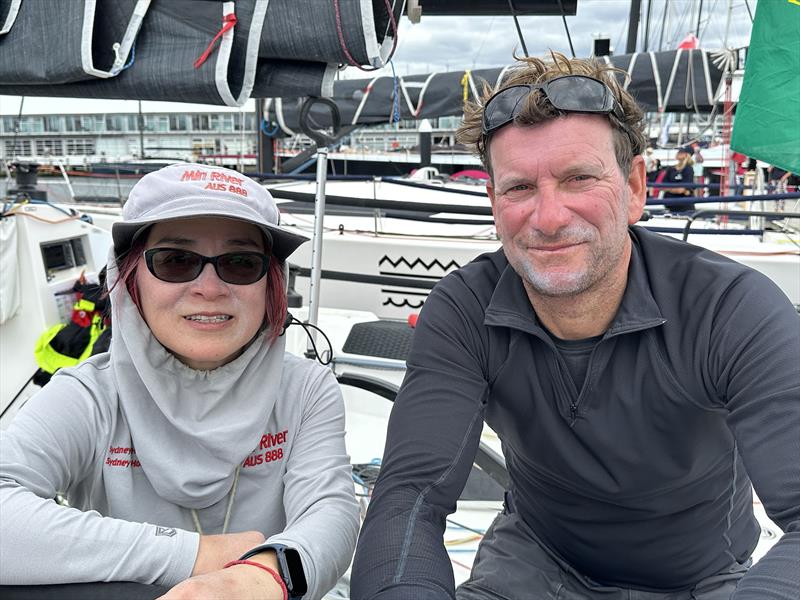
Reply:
x=216, y=551
x=243, y=582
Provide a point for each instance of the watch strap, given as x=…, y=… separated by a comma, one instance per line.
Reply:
x=290, y=567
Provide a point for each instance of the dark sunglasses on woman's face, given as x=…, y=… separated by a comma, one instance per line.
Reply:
x=179, y=266
x=569, y=93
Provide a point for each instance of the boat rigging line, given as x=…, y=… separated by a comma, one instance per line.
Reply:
x=516, y=23
x=749, y=12
x=566, y=28
x=699, y=16
x=663, y=26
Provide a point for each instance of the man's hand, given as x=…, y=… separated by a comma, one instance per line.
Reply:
x=243, y=582
x=218, y=550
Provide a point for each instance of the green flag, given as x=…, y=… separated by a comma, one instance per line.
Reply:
x=767, y=123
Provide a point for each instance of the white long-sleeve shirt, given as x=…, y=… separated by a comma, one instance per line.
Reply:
x=72, y=437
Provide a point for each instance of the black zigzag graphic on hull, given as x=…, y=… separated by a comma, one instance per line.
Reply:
x=391, y=302
x=418, y=261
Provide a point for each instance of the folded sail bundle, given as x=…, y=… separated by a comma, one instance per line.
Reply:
x=671, y=81
x=44, y=42
x=206, y=51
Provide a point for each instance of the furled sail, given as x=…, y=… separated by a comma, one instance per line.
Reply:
x=672, y=81
x=206, y=51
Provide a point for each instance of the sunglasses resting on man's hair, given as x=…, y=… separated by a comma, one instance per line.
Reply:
x=174, y=265
x=568, y=93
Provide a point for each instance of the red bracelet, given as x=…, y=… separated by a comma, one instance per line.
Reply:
x=269, y=570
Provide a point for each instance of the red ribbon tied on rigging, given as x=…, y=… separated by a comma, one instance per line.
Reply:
x=228, y=21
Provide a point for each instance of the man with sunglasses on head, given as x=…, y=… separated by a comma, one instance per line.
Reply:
x=197, y=454
x=640, y=386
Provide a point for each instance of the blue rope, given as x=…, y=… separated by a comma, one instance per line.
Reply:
x=265, y=131
x=131, y=58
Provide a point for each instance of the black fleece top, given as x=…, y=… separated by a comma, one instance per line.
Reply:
x=640, y=479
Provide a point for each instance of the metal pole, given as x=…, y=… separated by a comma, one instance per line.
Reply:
x=699, y=15
x=265, y=157
x=67, y=181
x=425, y=135
x=240, y=161
x=141, y=132
x=647, y=26
x=316, y=248
x=119, y=186
x=633, y=26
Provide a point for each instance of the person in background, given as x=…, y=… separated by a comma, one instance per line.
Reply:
x=641, y=387
x=652, y=164
x=777, y=179
x=682, y=172
x=197, y=453
x=697, y=166
x=742, y=163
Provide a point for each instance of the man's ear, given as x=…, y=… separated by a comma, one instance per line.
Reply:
x=490, y=192
x=637, y=189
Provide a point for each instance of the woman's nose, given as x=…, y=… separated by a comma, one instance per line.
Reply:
x=208, y=282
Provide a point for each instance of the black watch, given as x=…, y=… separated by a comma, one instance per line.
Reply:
x=290, y=568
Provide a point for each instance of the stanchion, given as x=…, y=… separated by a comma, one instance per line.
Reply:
x=322, y=142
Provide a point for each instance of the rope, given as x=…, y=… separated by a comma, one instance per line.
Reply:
x=519, y=31
x=19, y=212
x=228, y=21
x=266, y=132
x=465, y=85
x=327, y=355
x=132, y=57
x=228, y=510
x=343, y=43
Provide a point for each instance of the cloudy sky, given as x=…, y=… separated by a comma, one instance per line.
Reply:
x=453, y=43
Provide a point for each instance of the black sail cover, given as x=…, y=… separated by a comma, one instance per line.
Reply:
x=671, y=81
x=150, y=50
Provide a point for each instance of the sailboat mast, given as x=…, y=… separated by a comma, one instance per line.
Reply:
x=699, y=15
x=728, y=24
x=633, y=26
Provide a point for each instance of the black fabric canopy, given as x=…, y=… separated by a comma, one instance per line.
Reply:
x=146, y=50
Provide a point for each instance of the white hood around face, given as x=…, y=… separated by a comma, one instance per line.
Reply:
x=190, y=429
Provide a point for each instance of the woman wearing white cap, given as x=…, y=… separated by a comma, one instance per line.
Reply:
x=196, y=441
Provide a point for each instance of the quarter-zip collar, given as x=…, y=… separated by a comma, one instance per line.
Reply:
x=511, y=307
